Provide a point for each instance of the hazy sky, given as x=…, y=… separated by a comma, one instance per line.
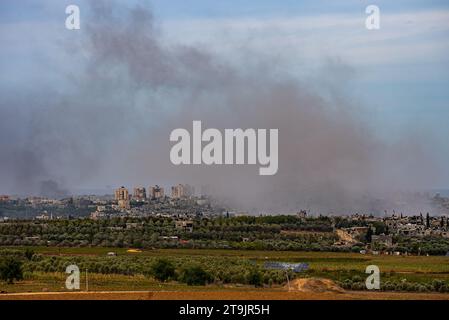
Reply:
x=401, y=70
x=396, y=79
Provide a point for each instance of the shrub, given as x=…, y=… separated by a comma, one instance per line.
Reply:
x=10, y=270
x=437, y=284
x=254, y=277
x=422, y=288
x=358, y=286
x=195, y=275
x=389, y=286
x=163, y=270
x=347, y=284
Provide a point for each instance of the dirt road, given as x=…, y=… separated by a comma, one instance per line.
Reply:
x=226, y=295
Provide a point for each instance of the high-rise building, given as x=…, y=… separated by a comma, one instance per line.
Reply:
x=182, y=191
x=139, y=194
x=122, y=197
x=156, y=192
x=121, y=194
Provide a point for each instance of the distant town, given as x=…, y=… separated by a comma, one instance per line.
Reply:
x=181, y=200
x=128, y=236
x=148, y=218
x=141, y=202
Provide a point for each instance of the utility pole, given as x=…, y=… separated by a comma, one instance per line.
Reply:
x=288, y=281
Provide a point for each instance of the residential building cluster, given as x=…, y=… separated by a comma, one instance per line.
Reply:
x=416, y=226
x=153, y=201
x=124, y=198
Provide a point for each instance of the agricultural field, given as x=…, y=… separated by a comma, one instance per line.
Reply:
x=225, y=271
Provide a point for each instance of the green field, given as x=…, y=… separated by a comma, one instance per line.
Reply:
x=127, y=271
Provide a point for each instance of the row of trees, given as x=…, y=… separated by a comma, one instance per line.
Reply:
x=434, y=286
x=271, y=233
x=194, y=270
x=165, y=270
x=197, y=270
x=249, y=233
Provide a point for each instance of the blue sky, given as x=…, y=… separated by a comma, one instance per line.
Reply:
x=266, y=8
x=42, y=9
x=401, y=72
x=424, y=46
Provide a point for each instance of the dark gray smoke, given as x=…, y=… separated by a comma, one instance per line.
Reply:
x=113, y=125
x=51, y=189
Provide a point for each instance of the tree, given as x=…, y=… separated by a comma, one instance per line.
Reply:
x=427, y=220
x=195, y=276
x=369, y=235
x=254, y=277
x=163, y=270
x=10, y=270
x=29, y=253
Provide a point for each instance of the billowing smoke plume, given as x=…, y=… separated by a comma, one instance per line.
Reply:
x=112, y=124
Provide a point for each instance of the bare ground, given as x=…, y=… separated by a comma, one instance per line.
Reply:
x=228, y=295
